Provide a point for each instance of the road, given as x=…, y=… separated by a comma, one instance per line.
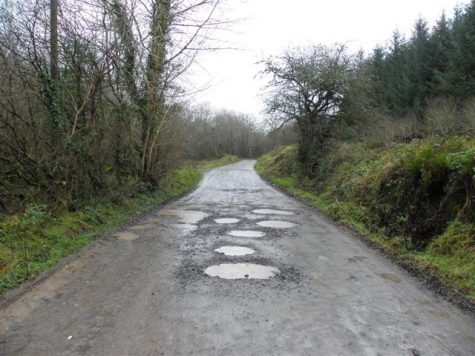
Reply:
x=309, y=288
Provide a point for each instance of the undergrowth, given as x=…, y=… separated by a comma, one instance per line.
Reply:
x=37, y=239
x=414, y=200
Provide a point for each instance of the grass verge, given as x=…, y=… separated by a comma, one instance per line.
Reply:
x=37, y=239
x=350, y=191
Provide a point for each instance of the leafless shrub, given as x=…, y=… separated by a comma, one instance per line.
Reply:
x=442, y=118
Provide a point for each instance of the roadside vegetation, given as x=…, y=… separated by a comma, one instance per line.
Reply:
x=35, y=240
x=386, y=142
x=408, y=199
x=95, y=123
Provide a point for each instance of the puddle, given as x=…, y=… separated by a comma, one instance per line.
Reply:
x=226, y=221
x=241, y=271
x=186, y=216
x=246, y=233
x=126, y=236
x=272, y=212
x=235, y=250
x=391, y=277
x=141, y=227
x=277, y=224
x=185, y=226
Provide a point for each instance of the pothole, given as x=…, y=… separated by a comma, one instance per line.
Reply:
x=272, y=212
x=185, y=226
x=186, y=216
x=235, y=250
x=226, y=221
x=246, y=233
x=126, y=236
x=277, y=224
x=241, y=271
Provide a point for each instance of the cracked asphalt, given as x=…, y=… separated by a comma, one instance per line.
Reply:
x=143, y=291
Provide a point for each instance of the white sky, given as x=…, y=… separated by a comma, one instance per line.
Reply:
x=270, y=26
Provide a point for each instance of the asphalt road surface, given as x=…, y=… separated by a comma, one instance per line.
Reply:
x=158, y=287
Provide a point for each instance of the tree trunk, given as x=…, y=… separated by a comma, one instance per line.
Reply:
x=52, y=83
x=154, y=102
x=54, y=69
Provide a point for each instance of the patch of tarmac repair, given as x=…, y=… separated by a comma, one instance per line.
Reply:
x=246, y=233
x=186, y=216
x=277, y=224
x=241, y=271
x=235, y=250
x=390, y=276
x=126, y=236
x=272, y=212
x=226, y=221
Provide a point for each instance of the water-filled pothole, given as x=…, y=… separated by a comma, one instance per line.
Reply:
x=126, y=236
x=272, y=212
x=246, y=233
x=186, y=216
x=185, y=226
x=235, y=250
x=276, y=224
x=226, y=221
x=241, y=271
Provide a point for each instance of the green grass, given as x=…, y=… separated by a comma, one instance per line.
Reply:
x=37, y=239
x=372, y=189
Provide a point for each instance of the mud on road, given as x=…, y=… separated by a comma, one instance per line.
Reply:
x=154, y=288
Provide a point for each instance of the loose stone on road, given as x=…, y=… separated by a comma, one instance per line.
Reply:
x=234, y=268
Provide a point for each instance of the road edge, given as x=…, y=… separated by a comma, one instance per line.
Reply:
x=26, y=286
x=428, y=280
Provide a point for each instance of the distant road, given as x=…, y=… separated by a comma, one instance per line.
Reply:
x=308, y=288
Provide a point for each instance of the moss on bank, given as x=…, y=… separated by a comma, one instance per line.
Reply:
x=37, y=239
x=414, y=201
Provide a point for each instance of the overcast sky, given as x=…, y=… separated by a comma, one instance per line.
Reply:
x=268, y=27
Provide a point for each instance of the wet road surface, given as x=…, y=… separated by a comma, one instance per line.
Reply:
x=304, y=288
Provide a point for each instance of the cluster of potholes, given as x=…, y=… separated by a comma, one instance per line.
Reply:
x=247, y=270
x=189, y=220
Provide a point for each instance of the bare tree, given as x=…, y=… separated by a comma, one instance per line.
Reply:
x=308, y=86
x=178, y=30
x=89, y=93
